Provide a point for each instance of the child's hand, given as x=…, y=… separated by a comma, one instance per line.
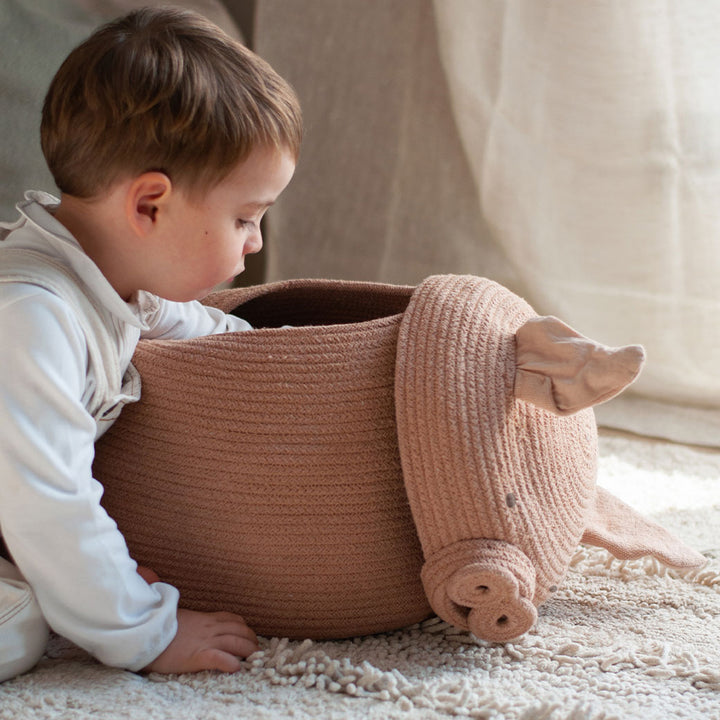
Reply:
x=148, y=575
x=206, y=641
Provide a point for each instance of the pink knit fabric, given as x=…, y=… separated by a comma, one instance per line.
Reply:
x=499, y=489
x=367, y=466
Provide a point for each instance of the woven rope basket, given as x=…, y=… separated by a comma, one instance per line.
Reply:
x=270, y=473
x=260, y=472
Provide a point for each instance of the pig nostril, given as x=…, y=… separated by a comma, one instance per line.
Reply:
x=482, y=586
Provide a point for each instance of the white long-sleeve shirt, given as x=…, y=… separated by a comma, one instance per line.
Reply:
x=55, y=399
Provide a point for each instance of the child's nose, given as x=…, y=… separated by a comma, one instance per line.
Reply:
x=254, y=243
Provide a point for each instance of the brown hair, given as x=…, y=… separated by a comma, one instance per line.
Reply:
x=162, y=89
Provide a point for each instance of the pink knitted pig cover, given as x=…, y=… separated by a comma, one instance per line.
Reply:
x=358, y=470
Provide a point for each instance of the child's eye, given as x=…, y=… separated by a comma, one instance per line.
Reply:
x=240, y=223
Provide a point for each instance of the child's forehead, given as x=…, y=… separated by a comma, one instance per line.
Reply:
x=263, y=162
x=257, y=180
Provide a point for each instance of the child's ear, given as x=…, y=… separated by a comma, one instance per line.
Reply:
x=146, y=199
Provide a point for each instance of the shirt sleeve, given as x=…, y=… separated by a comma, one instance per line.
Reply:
x=170, y=320
x=70, y=551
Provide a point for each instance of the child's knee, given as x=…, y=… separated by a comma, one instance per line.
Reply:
x=23, y=630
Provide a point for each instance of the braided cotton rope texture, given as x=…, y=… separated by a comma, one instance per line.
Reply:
x=306, y=476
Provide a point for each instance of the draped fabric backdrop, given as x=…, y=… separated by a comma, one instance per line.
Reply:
x=570, y=150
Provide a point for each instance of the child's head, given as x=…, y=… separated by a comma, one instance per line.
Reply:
x=162, y=90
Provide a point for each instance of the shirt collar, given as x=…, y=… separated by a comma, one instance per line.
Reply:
x=37, y=208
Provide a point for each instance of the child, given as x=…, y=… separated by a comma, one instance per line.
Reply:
x=168, y=141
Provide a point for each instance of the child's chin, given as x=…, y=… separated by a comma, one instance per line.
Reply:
x=189, y=296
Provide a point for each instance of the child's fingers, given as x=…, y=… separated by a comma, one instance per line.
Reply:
x=223, y=616
x=226, y=653
x=235, y=627
x=215, y=659
x=206, y=641
x=232, y=635
x=238, y=645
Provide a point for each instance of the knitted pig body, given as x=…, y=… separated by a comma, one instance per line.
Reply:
x=396, y=451
x=463, y=434
x=499, y=452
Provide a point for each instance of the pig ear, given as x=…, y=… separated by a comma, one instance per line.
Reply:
x=562, y=371
x=615, y=526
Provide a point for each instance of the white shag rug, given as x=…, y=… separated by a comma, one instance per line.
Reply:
x=621, y=640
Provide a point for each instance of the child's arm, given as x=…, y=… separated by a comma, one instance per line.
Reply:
x=69, y=550
x=170, y=320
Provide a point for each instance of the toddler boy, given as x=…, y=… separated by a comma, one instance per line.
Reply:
x=168, y=141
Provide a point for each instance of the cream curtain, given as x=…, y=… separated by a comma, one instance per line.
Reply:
x=570, y=150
